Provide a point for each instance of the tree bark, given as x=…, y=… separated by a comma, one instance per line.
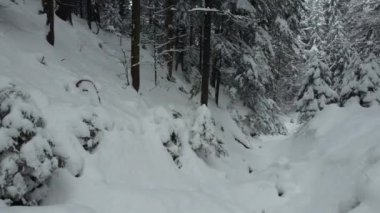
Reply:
x=217, y=88
x=81, y=8
x=213, y=72
x=50, y=20
x=122, y=12
x=169, y=17
x=135, y=44
x=200, y=48
x=89, y=13
x=206, y=54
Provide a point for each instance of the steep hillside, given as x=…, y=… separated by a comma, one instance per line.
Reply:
x=331, y=165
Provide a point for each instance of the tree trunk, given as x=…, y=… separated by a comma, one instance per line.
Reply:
x=155, y=45
x=81, y=8
x=213, y=72
x=218, y=78
x=170, y=34
x=135, y=43
x=65, y=9
x=200, y=48
x=206, y=54
x=217, y=88
x=122, y=11
x=89, y=13
x=50, y=20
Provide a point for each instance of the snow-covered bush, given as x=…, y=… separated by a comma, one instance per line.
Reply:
x=203, y=139
x=170, y=127
x=91, y=133
x=174, y=147
x=27, y=160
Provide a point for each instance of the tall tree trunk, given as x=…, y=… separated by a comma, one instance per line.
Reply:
x=89, y=13
x=155, y=49
x=217, y=88
x=201, y=36
x=169, y=17
x=206, y=54
x=218, y=77
x=81, y=8
x=213, y=72
x=50, y=20
x=135, y=43
x=122, y=5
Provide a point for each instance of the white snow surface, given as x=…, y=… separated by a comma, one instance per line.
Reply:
x=330, y=165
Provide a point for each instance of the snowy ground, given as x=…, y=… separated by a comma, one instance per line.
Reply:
x=332, y=165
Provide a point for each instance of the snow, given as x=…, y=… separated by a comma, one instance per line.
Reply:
x=330, y=165
x=245, y=5
x=283, y=26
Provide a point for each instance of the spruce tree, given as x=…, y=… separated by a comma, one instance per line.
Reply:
x=316, y=91
x=369, y=82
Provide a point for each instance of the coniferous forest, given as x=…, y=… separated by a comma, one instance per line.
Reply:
x=184, y=106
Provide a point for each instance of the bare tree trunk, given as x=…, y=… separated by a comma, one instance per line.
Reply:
x=170, y=36
x=122, y=11
x=81, y=8
x=50, y=20
x=213, y=72
x=218, y=78
x=206, y=54
x=65, y=8
x=155, y=46
x=135, y=43
x=200, y=48
x=89, y=13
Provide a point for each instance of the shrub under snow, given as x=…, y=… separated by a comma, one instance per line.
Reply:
x=27, y=160
x=170, y=127
x=203, y=140
x=91, y=133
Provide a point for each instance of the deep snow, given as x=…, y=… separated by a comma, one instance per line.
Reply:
x=331, y=165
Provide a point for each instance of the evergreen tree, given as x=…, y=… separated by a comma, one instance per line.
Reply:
x=349, y=81
x=369, y=82
x=316, y=91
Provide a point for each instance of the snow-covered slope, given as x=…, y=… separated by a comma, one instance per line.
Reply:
x=330, y=165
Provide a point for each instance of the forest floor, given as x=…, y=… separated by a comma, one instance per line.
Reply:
x=331, y=165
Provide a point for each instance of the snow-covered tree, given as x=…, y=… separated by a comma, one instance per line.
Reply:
x=203, y=139
x=348, y=83
x=316, y=91
x=369, y=82
x=27, y=160
x=361, y=79
x=114, y=16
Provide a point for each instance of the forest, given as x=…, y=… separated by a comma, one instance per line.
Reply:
x=232, y=106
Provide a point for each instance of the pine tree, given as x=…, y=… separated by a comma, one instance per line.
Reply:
x=369, y=82
x=349, y=81
x=316, y=91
